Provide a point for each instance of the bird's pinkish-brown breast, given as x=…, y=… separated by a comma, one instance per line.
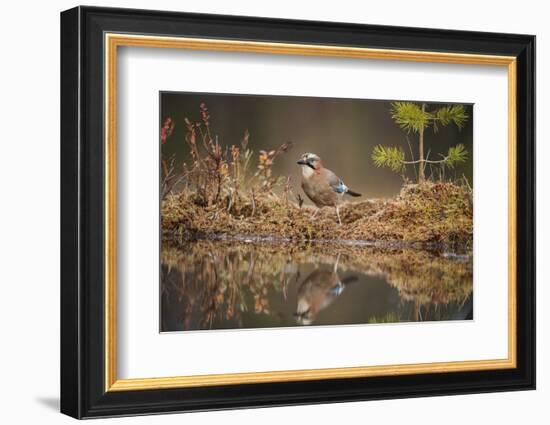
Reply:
x=319, y=191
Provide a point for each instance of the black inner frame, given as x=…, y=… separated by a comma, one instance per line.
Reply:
x=82, y=212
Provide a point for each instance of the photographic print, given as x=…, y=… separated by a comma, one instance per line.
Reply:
x=285, y=211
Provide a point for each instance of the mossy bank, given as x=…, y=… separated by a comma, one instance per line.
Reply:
x=427, y=215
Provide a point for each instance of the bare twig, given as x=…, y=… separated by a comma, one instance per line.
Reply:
x=467, y=183
x=253, y=203
x=426, y=163
x=300, y=200
x=412, y=156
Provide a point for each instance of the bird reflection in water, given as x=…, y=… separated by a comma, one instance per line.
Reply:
x=227, y=285
x=319, y=290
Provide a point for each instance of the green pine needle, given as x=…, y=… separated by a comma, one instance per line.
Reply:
x=456, y=155
x=446, y=115
x=387, y=156
x=409, y=116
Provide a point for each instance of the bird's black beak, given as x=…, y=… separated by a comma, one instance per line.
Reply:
x=301, y=162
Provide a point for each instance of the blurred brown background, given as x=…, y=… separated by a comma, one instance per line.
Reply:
x=342, y=132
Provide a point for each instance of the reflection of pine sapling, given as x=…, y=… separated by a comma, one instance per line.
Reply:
x=413, y=117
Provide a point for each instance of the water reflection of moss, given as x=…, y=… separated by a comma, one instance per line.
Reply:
x=390, y=317
x=231, y=277
x=423, y=276
x=415, y=311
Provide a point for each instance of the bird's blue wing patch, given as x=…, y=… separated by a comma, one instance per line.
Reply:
x=340, y=187
x=336, y=290
x=334, y=181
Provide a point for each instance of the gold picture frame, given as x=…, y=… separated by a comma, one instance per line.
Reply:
x=114, y=41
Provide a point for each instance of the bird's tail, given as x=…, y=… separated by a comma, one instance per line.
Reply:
x=352, y=193
x=349, y=279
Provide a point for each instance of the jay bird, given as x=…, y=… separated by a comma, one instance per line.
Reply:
x=317, y=292
x=322, y=186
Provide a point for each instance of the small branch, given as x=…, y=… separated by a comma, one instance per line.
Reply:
x=412, y=156
x=467, y=183
x=300, y=200
x=427, y=161
x=253, y=203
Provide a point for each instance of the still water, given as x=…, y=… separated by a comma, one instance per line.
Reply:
x=235, y=285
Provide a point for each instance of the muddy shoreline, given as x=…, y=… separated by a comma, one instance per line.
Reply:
x=451, y=250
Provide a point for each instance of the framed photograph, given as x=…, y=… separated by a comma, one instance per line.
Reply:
x=261, y=212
